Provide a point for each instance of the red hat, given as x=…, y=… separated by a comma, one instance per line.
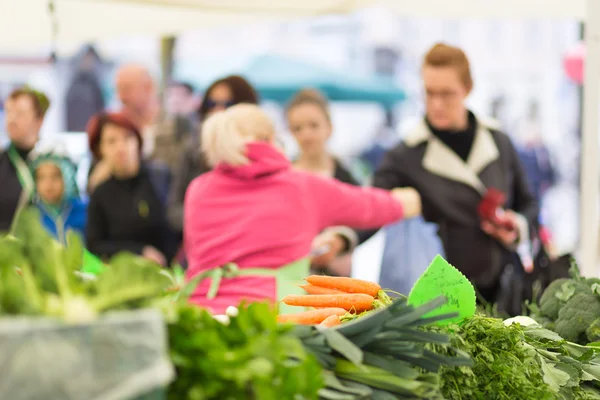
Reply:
x=96, y=125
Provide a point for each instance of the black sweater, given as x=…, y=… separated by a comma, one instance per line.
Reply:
x=459, y=141
x=11, y=189
x=128, y=215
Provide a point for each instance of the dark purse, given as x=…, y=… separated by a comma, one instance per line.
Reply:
x=519, y=287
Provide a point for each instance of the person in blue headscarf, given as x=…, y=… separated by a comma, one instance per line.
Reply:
x=57, y=195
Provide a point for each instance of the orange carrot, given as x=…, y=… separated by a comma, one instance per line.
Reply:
x=330, y=321
x=348, y=285
x=311, y=317
x=352, y=302
x=313, y=289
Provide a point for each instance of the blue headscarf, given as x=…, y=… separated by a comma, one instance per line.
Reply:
x=67, y=168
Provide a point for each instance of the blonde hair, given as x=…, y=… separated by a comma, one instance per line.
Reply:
x=443, y=55
x=310, y=96
x=225, y=134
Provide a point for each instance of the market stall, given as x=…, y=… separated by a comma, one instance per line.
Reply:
x=62, y=24
x=104, y=336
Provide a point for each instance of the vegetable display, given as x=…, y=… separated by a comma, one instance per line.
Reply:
x=382, y=355
x=352, y=342
x=38, y=276
x=571, y=308
x=249, y=357
x=329, y=295
x=513, y=361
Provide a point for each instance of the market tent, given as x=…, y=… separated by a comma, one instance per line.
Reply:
x=278, y=78
x=26, y=25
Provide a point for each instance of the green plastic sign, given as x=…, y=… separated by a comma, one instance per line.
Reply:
x=91, y=264
x=441, y=278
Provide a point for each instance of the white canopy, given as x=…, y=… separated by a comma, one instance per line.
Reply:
x=25, y=25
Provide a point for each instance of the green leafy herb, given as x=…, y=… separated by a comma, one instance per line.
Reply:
x=251, y=358
x=504, y=366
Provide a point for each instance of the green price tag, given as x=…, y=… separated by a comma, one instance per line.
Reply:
x=91, y=264
x=439, y=279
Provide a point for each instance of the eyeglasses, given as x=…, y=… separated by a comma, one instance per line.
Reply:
x=445, y=95
x=210, y=104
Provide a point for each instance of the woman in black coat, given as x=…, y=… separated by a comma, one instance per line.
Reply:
x=452, y=158
x=127, y=212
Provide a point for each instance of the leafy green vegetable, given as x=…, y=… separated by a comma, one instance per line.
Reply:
x=40, y=276
x=504, y=366
x=251, y=358
x=382, y=352
x=532, y=362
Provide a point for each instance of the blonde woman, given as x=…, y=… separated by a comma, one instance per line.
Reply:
x=254, y=210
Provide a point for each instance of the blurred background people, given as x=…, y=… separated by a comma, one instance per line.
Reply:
x=84, y=96
x=127, y=212
x=25, y=109
x=534, y=154
x=220, y=95
x=309, y=121
x=182, y=104
x=57, y=195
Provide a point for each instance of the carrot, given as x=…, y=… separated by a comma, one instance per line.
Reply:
x=313, y=289
x=352, y=302
x=330, y=321
x=348, y=285
x=311, y=317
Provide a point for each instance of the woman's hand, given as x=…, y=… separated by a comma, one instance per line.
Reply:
x=152, y=254
x=410, y=200
x=508, y=237
x=325, y=248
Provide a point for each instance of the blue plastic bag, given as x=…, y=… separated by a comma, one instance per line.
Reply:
x=410, y=245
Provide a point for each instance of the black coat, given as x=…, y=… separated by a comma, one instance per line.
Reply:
x=451, y=190
x=130, y=214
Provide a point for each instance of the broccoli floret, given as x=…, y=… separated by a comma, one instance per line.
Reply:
x=549, y=303
x=558, y=292
x=593, y=331
x=591, y=281
x=576, y=316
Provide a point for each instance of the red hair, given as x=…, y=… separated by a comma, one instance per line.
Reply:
x=443, y=55
x=97, y=123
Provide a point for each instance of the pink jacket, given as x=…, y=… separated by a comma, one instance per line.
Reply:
x=265, y=214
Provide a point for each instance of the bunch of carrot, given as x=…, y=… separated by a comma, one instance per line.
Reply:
x=334, y=298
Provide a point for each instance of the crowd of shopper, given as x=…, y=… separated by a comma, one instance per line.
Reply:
x=208, y=184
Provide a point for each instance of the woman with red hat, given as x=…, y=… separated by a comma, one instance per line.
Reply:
x=127, y=211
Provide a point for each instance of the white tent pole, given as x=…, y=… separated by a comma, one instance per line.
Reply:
x=590, y=176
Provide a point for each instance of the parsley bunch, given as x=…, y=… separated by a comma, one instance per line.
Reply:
x=505, y=367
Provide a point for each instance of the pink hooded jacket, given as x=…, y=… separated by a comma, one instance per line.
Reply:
x=266, y=214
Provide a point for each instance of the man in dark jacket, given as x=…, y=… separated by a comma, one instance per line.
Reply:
x=452, y=158
x=25, y=111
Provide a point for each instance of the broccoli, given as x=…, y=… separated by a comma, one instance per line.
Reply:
x=591, y=281
x=549, y=303
x=576, y=316
x=593, y=331
x=557, y=293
